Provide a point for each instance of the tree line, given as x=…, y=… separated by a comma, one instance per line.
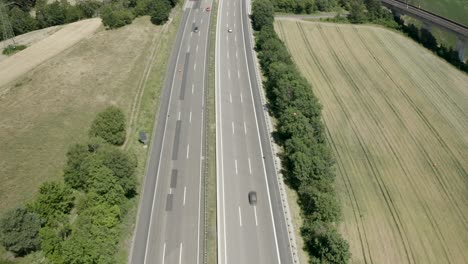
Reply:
x=77, y=220
x=306, y=156
x=29, y=15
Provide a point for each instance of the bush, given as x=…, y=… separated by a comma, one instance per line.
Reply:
x=115, y=17
x=109, y=125
x=161, y=12
x=52, y=14
x=10, y=50
x=19, y=231
x=75, y=173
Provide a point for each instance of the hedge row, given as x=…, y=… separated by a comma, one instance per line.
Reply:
x=78, y=221
x=306, y=157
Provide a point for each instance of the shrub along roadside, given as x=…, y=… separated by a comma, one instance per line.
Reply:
x=77, y=221
x=307, y=157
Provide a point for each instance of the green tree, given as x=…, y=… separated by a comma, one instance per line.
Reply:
x=22, y=22
x=161, y=12
x=262, y=14
x=53, y=201
x=319, y=205
x=104, y=183
x=122, y=167
x=51, y=244
x=109, y=125
x=19, y=231
x=357, y=13
x=89, y=8
x=324, y=244
x=52, y=14
x=293, y=123
x=428, y=40
x=75, y=173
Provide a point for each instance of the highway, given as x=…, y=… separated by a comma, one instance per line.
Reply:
x=246, y=233
x=170, y=217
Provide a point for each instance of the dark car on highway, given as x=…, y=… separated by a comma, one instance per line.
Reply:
x=253, y=198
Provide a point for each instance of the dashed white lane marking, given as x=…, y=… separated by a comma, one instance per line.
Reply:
x=197, y=48
x=237, y=55
x=185, y=192
x=229, y=74
x=245, y=129
x=228, y=54
x=240, y=217
x=170, y=190
x=194, y=67
x=193, y=86
x=235, y=162
x=201, y=21
x=227, y=14
x=238, y=73
x=164, y=253
x=180, y=253
x=250, y=167
x=255, y=213
x=235, y=38
x=190, y=117
x=242, y=100
x=234, y=25
x=232, y=127
x=178, y=117
x=188, y=48
x=230, y=97
x=188, y=149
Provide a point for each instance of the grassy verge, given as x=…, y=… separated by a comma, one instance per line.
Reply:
x=210, y=181
x=144, y=122
x=10, y=50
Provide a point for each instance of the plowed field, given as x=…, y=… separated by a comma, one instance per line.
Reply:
x=397, y=121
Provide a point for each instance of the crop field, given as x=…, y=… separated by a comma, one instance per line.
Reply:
x=397, y=121
x=49, y=108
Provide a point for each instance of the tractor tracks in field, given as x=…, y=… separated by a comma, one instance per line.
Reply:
x=430, y=161
x=357, y=212
x=370, y=161
x=395, y=154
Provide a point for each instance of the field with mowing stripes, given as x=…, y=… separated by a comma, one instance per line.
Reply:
x=397, y=121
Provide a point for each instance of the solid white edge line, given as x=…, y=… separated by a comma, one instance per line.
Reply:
x=240, y=217
x=162, y=147
x=180, y=253
x=258, y=134
x=185, y=193
x=219, y=144
x=164, y=253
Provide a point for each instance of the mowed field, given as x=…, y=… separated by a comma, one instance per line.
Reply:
x=51, y=107
x=397, y=121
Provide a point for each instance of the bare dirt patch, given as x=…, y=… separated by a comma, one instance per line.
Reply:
x=51, y=107
x=24, y=61
x=397, y=120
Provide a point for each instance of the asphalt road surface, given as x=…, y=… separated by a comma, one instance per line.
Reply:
x=170, y=217
x=246, y=233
